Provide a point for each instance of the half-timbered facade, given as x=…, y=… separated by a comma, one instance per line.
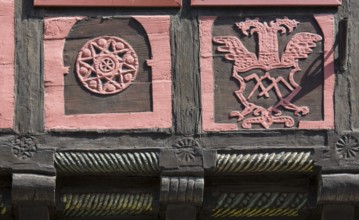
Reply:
x=179, y=109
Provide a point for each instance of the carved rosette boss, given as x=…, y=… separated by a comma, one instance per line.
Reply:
x=24, y=147
x=107, y=65
x=347, y=147
x=187, y=150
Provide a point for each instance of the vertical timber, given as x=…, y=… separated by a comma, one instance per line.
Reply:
x=185, y=50
x=28, y=68
x=353, y=7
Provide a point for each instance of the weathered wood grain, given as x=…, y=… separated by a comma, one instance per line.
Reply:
x=338, y=188
x=345, y=90
x=350, y=10
x=136, y=98
x=185, y=49
x=28, y=68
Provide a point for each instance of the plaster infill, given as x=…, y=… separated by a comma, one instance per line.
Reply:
x=109, y=3
x=325, y=22
x=7, y=60
x=157, y=29
x=266, y=3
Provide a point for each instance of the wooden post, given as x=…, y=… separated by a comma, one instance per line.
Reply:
x=33, y=196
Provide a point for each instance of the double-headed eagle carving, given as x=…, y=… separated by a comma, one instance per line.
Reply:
x=267, y=59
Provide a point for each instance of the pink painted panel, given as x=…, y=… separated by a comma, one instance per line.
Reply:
x=157, y=29
x=268, y=59
x=207, y=79
x=108, y=3
x=266, y=3
x=7, y=48
x=326, y=23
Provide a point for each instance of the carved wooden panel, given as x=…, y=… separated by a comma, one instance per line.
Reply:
x=7, y=48
x=267, y=73
x=115, y=75
x=109, y=73
x=109, y=3
x=265, y=2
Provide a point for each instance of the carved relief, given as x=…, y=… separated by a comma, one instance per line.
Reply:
x=267, y=73
x=188, y=150
x=101, y=62
x=267, y=59
x=107, y=65
x=259, y=204
x=182, y=189
x=106, y=204
x=24, y=147
x=347, y=146
x=134, y=163
x=298, y=162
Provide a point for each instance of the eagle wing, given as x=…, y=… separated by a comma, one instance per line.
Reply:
x=299, y=47
x=235, y=51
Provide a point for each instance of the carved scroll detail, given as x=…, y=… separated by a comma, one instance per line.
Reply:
x=182, y=190
x=107, y=65
x=106, y=204
x=265, y=163
x=267, y=59
x=137, y=163
x=259, y=204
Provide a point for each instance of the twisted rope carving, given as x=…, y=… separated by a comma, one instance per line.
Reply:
x=106, y=204
x=267, y=162
x=144, y=163
x=259, y=204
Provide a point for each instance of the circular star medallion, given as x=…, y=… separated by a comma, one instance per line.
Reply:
x=106, y=65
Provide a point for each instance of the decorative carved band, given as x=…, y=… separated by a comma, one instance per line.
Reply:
x=106, y=204
x=266, y=162
x=144, y=163
x=182, y=189
x=259, y=204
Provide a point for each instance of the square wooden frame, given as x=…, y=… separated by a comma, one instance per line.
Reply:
x=158, y=31
x=7, y=63
x=325, y=22
x=265, y=3
x=108, y=3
